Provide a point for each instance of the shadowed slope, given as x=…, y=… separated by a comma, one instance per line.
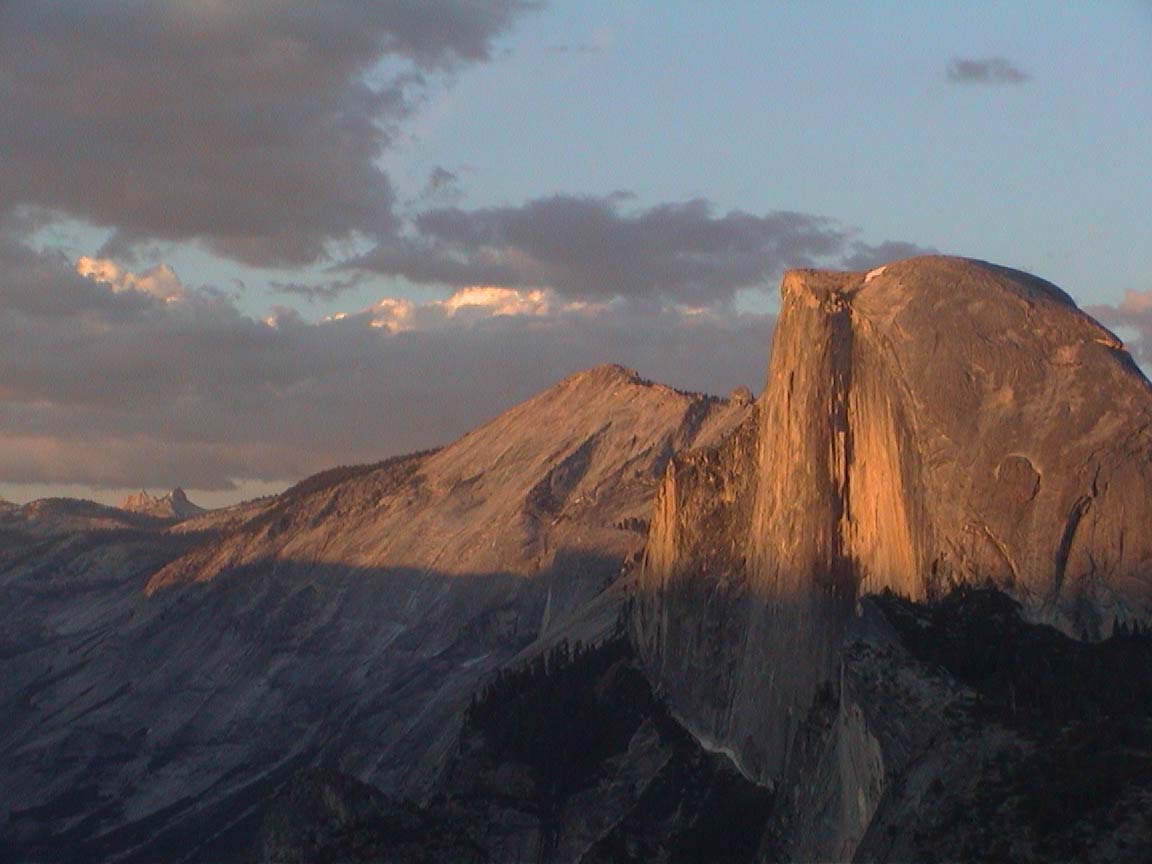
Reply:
x=344, y=623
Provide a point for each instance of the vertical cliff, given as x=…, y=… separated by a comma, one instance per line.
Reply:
x=932, y=423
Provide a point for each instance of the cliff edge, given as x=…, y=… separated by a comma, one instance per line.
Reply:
x=932, y=423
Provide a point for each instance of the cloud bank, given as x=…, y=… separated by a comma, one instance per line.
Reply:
x=593, y=248
x=252, y=128
x=107, y=382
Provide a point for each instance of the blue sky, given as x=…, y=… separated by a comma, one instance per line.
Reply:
x=626, y=179
x=839, y=110
x=842, y=110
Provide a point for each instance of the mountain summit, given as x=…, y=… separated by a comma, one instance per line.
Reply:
x=568, y=475
x=345, y=622
x=624, y=622
x=174, y=505
x=933, y=423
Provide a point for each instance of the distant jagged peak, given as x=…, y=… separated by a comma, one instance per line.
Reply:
x=138, y=502
x=173, y=505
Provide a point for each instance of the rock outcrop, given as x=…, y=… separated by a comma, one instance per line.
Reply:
x=932, y=423
x=958, y=732
x=324, y=817
x=174, y=505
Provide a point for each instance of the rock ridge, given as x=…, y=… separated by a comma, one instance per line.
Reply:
x=173, y=505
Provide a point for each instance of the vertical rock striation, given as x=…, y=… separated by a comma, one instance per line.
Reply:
x=931, y=423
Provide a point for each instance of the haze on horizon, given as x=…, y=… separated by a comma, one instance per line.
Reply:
x=240, y=243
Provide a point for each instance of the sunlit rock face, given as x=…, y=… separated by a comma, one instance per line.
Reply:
x=938, y=421
x=174, y=505
x=564, y=478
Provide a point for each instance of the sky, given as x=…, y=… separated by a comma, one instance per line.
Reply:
x=241, y=242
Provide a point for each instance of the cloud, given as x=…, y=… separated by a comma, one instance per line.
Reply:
x=468, y=304
x=253, y=128
x=159, y=281
x=862, y=256
x=329, y=290
x=1133, y=314
x=985, y=70
x=442, y=185
x=603, y=39
x=114, y=386
x=575, y=48
x=590, y=248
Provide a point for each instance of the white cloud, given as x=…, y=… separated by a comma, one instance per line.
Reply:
x=160, y=281
x=104, y=386
x=465, y=306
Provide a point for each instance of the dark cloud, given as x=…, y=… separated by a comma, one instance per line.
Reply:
x=35, y=285
x=123, y=388
x=441, y=188
x=862, y=256
x=985, y=70
x=329, y=290
x=442, y=182
x=252, y=127
x=589, y=248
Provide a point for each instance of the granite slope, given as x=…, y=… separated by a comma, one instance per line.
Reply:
x=933, y=423
x=162, y=683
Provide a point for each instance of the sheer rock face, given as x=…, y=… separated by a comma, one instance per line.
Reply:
x=934, y=422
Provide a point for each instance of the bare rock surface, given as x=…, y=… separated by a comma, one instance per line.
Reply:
x=868, y=618
x=173, y=505
x=568, y=474
x=932, y=423
x=161, y=682
x=957, y=731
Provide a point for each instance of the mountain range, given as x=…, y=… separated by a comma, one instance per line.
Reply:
x=894, y=608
